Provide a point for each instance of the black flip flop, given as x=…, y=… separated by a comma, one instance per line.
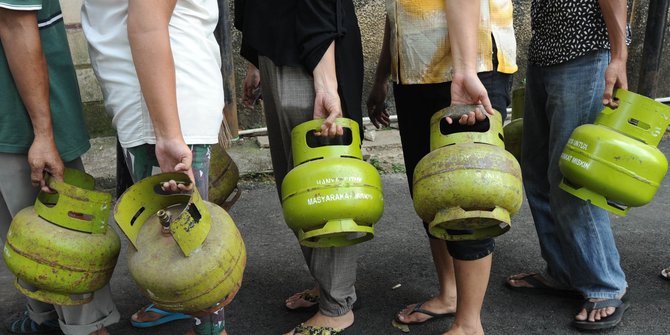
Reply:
x=604, y=323
x=539, y=287
x=417, y=309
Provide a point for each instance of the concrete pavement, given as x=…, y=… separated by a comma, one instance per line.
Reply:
x=399, y=254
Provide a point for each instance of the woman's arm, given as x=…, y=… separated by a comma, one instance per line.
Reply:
x=379, y=115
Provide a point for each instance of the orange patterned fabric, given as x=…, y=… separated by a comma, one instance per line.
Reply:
x=419, y=40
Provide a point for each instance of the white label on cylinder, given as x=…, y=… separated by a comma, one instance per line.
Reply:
x=578, y=144
x=318, y=199
x=335, y=180
x=575, y=161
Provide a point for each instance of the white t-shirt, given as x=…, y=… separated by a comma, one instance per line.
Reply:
x=197, y=67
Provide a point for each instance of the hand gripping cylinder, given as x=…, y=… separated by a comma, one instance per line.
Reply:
x=61, y=249
x=331, y=197
x=614, y=163
x=186, y=254
x=468, y=186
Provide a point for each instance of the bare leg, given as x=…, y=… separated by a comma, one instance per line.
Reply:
x=472, y=278
x=445, y=301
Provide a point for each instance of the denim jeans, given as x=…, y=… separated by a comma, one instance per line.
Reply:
x=575, y=237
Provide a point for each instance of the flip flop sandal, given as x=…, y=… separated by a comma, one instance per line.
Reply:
x=312, y=330
x=212, y=324
x=665, y=275
x=417, y=309
x=21, y=323
x=539, y=287
x=165, y=317
x=308, y=297
x=604, y=323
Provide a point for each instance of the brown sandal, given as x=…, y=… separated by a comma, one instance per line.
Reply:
x=310, y=301
x=314, y=330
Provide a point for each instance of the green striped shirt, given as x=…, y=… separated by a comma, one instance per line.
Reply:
x=16, y=133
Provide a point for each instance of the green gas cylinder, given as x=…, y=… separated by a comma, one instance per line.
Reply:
x=468, y=186
x=223, y=178
x=614, y=163
x=186, y=254
x=513, y=131
x=61, y=249
x=331, y=197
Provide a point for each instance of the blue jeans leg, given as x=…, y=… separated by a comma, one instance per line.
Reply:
x=575, y=237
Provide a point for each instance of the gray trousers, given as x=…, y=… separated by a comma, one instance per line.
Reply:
x=288, y=96
x=17, y=193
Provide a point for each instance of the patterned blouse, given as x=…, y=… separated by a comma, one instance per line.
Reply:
x=564, y=30
x=419, y=40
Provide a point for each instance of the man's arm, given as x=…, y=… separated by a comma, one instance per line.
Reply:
x=149, y=39
x=379, y=115
x=615, y=13
x=22, y=46
x=463, y=18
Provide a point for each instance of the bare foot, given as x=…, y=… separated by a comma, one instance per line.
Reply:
x=304, y=299
x=320, y=320
x=457, y=329
x=595, y=314
x=150, y=314
x=143, y=316
x=524, y=280
x=416, y=313
x=102, y=331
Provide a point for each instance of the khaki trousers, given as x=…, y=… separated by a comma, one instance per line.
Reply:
x=288, y=96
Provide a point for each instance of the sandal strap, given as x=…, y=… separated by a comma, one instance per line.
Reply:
x=309, y=297
x=418, y=309
x=212, y=324
x=593, y=305
x=313, y=330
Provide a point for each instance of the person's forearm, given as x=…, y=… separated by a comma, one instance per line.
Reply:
x=615, y=13
x=325, y=75
x=463, y=19
x=149, y=39
x=384, y=63
x=22, y=46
